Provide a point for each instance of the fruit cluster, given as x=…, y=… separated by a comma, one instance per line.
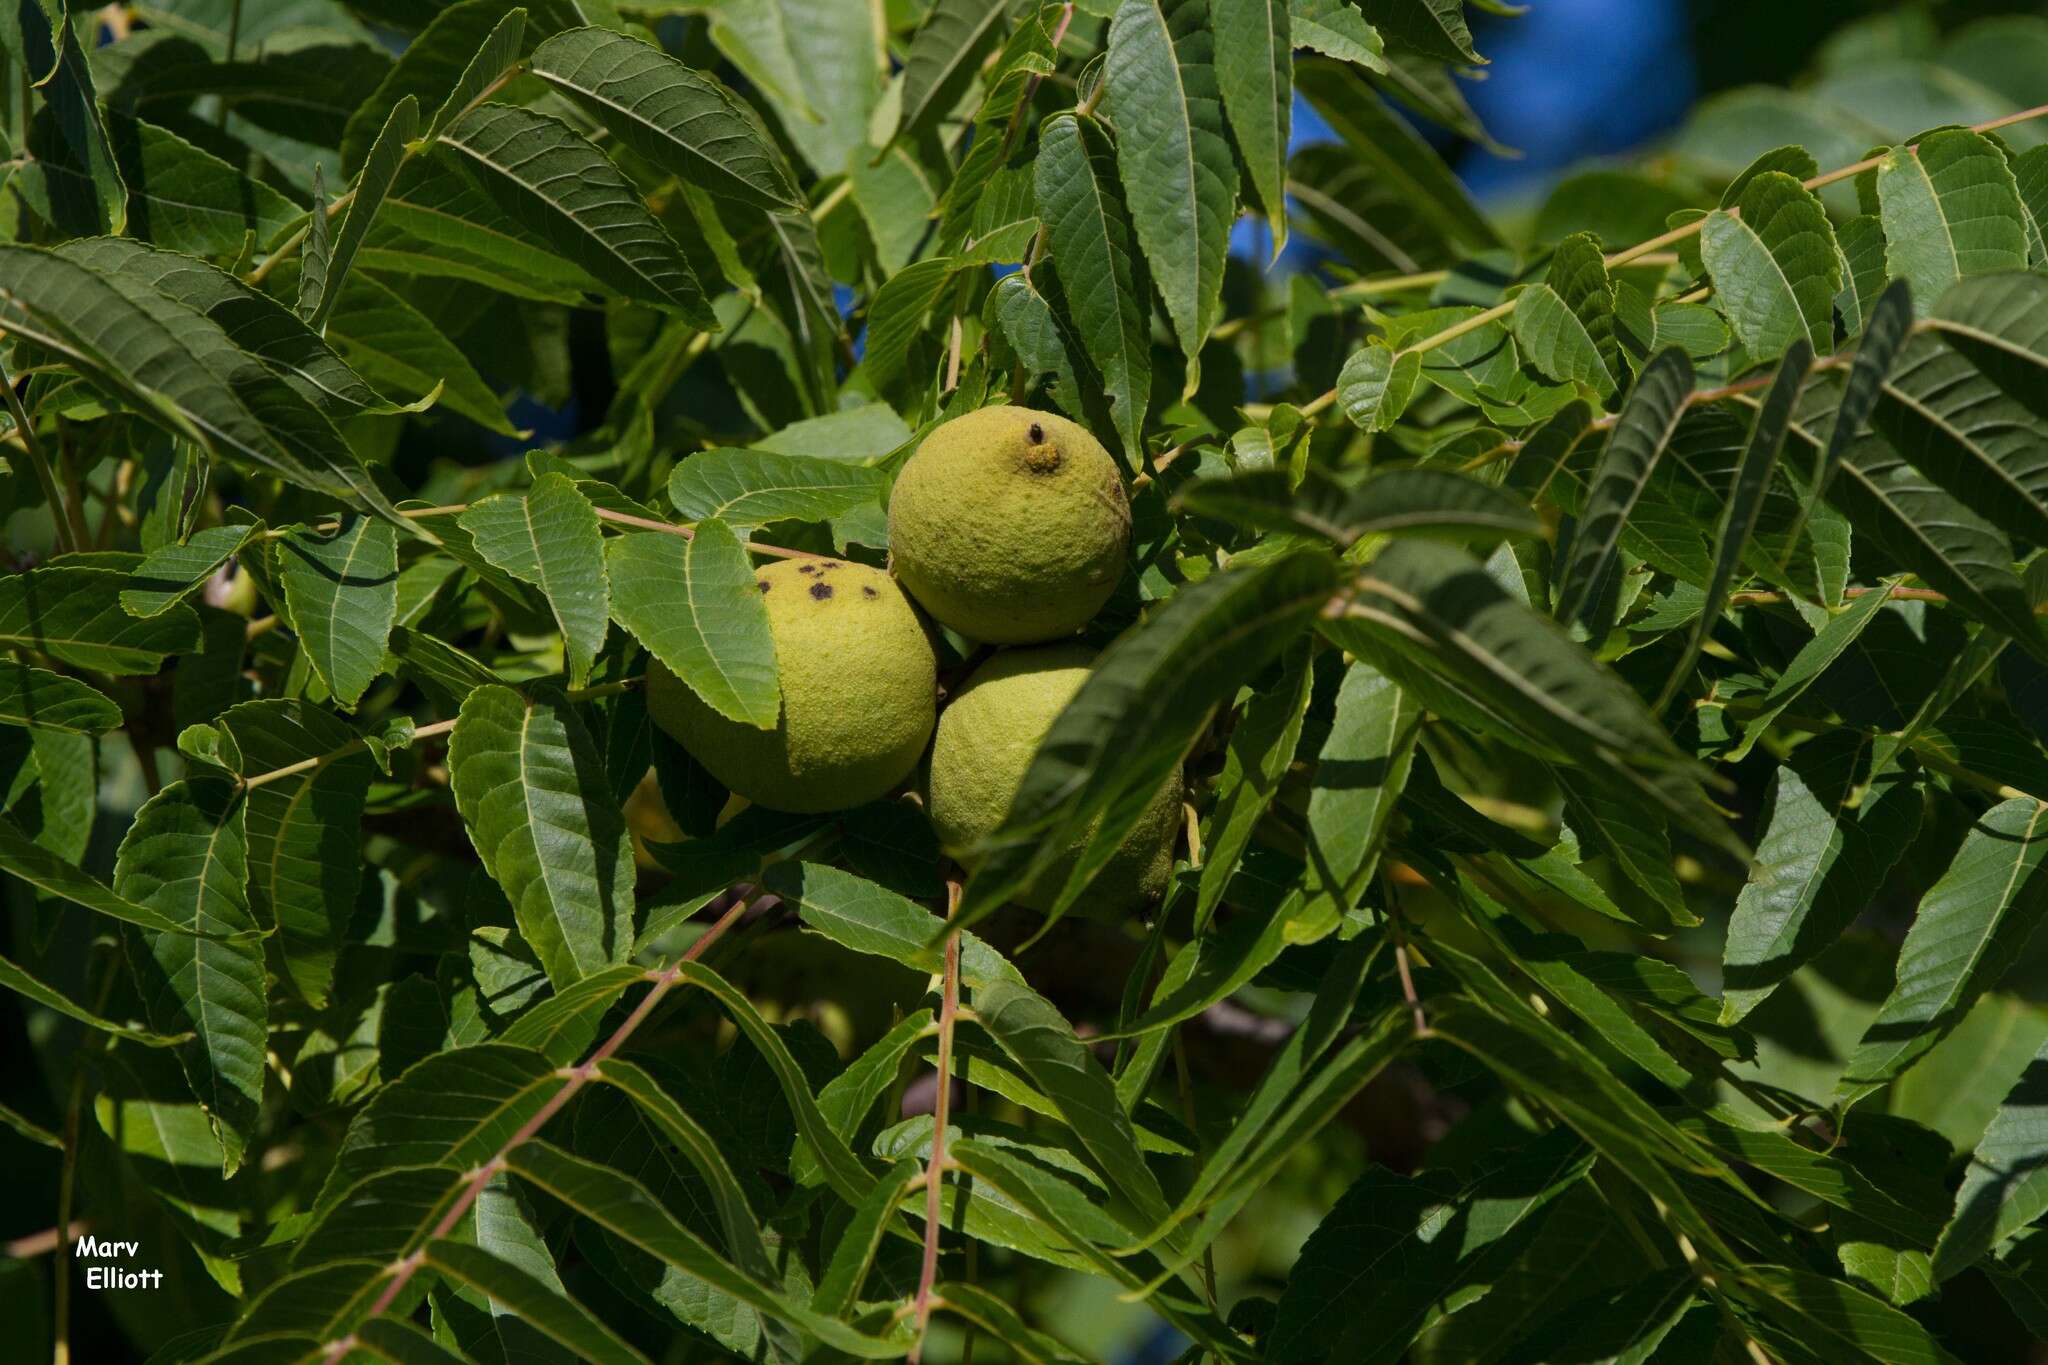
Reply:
x=1010, y=528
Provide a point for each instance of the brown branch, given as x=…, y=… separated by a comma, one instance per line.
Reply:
x=935, y=1169
x=574, y=1079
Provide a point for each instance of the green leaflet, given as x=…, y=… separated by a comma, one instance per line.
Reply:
x=1961, y=430
x=180, y=369
x=187, y=857
x=449, y=1110
x=74, y=615
x=317, y=249
x=620, y=1205
x=684, y=122
x=1173, y=155
x=1335, y=28
x=1376, y=385
x=1648, y=420
x=1951, y=209
x=1775, y=267
x=1433, y=619
x=747, y=488
x=1999, y=324
x=341, y=589
x=1389, y=1220
x=1970, y=924
x=867, y=918
x=253, y=321
x=1044, y=1047
x=2004, y=1188
x=1360, y=773
x=1820, y=860
x=1556, y=340
x=1753, y=479
x=304, y=822
x=479, y=36
x=530, y=786
x=372, y=185
x=548, y=178
x=1257, y=83
x=694, y=605
x=1261, y=748
x=170, y=573
x=37, y=697
x=533, y=1301
x=1435, y=28
x=392, y=343
x=1102, y=276
x=550, y=537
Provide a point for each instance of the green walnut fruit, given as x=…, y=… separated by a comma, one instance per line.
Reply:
x=859, y=683
x=1010, y=526
x=987, y=736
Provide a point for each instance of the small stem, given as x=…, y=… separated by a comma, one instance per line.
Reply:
x=934, y=1174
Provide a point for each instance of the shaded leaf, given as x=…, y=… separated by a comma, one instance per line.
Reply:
x=341, y=588
x=1970, y=924
x=545, y=176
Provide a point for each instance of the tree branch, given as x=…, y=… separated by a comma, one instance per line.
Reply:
x=935, y=1169
x=574, y=1079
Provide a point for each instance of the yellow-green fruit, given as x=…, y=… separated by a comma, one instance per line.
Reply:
x=858, y=687
x=987, y=736
x=1010, y=525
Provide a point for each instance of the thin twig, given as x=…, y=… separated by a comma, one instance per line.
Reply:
x=44, y=1242
x=1408, y=991
x=573, y=1080
x=935, y=1169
